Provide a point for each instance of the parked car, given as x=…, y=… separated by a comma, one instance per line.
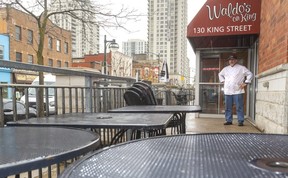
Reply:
x=49, y=80
x=8, y=110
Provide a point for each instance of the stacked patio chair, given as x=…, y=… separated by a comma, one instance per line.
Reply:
x=141, y=93
x=133, y=96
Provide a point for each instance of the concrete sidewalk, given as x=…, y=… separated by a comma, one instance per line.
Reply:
x=213, y=125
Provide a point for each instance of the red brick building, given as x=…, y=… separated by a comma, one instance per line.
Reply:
x=23, y=34
x=94, y=61
x=255, y=31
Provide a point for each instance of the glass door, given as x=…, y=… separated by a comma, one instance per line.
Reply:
x=209, y=87
x=210, y=90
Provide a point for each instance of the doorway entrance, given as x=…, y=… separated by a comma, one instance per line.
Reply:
x=211, y=95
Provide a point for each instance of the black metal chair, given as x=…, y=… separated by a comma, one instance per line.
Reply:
x=132, y=98
x=142, y=94
x=148, y=89
x=146, y=94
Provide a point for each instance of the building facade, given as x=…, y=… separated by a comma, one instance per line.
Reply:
x=4, y=72
x=118, y=64
x=121, y=65
x=23, y=34
x=167, y=25
x=134, y=46
x=271, y=105
x=256, y=32
x=146, y=70
x=85, y=36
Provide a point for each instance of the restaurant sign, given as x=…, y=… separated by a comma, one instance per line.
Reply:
x=23, y=78
x=226, y=17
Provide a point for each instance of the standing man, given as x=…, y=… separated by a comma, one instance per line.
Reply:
x=235, y=78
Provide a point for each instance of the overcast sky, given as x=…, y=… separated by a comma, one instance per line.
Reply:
x=139, y=29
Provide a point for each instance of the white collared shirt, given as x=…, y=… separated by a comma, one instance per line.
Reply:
x=233, y=77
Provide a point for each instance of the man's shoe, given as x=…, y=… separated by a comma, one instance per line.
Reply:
x=228, y=123
x=240, y=124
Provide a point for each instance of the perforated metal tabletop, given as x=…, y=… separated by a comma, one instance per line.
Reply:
x=112, y=127
x=186, y=156
x=27, y=148
x=179, y=111
x=157, y=109
x=100, y=120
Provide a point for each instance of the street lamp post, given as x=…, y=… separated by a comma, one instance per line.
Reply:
x=113, y=46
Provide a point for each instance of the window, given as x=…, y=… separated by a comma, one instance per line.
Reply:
x=66, y=64
x=30, y=37
x=30, y=59
x=18, y=57
x=18, y=33
x=58, y=63
x=50, y=42
x=66, y=48
x=50, y=62
x=1, y=52
x=58, y=45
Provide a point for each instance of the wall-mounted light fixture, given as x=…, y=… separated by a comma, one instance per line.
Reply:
x=266, y=85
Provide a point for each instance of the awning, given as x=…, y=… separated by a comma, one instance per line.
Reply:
x=225, y=23
x=24, y=77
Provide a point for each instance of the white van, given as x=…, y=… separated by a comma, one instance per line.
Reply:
x=49, y=79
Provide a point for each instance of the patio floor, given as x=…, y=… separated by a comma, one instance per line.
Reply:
x=215, y=125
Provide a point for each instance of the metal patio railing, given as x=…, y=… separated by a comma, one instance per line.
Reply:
x=99, y=93
x=69, y=99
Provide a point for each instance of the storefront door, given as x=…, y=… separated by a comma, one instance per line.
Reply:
x=211, y=96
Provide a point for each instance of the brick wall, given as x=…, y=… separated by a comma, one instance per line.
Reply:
x=271, y=114
x=273, y=43
x=13, y=17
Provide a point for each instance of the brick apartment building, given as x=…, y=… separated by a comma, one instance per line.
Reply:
x=22, y=30
x=93, y=61
x=255, y=31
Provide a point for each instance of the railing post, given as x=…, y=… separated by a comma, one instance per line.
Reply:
x=14, y=104
x=168, y=94
x=98, y=97
x=1, y=108
x=88, y=94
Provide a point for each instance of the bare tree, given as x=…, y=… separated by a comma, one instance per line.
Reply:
x=85, y=11
x=122, y=65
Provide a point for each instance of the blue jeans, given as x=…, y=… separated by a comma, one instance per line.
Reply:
x=239, y=101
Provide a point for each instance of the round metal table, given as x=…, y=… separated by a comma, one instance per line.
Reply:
x=23, y=149
x=199, y=155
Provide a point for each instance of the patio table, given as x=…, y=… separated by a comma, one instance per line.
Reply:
x=112, y=127
x=24, y=149
x=185, y=156
x=178, y=111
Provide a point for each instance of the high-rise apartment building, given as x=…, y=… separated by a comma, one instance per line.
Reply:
x=134, y=46
x=85, y=36
x=167, y=25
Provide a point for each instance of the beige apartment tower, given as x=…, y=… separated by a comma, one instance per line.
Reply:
x=85, y=36
x=167, y=26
